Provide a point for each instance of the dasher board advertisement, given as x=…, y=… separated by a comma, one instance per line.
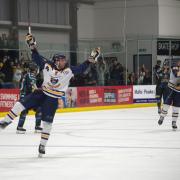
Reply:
x=144, y=93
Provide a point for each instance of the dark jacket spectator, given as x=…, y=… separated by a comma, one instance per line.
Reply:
x=132, y=79
x=116, y=74
x=147, y=78
x=7, y=69
x=92, y=77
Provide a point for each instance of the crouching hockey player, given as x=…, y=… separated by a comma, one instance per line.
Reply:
x=173, y=96
x=56, y=74
x=28, y=85
x=162, y=78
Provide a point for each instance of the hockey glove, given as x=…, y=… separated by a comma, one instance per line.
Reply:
x=30, y=40
x=95, y=53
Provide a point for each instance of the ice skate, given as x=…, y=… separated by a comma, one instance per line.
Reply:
x=41, y=151
x=160, y=120
x=20, y=130
x=4, y=124
x=174, y=126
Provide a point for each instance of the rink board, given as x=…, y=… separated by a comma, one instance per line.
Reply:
x=92, y=98
x=66, y=110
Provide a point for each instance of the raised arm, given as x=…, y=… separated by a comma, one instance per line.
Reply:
x=37, y=58
x=91, y=59
x=81, y=68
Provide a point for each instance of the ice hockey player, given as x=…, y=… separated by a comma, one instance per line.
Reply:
x=162, y=78
x=56, y=74
x=173, y=96
x=157, y=67
x=28, y=85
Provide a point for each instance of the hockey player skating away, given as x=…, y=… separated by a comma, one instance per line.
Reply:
x=162, y=78
x=28, y=85
x=56, y=75
x=173, y=97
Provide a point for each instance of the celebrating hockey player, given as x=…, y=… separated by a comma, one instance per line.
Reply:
x=173, y=96
x=28, y=85
x=162, y=78
x=56, y=75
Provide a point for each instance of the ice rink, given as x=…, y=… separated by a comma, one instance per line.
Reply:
x=125, y=144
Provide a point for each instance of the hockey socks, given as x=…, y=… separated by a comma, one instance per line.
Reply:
x=175, y=114
x=163, y=113
x=45, y=132
x=44, y=137
x=12, y=114
x=165, y=109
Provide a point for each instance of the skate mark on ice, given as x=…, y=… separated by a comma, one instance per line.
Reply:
x=95, y=146
x=158, y=131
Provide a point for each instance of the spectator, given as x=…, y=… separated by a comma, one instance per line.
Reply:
x=1, y=48
x=101, y=69
x=107, y=72
x=2, y=76
x=116, y=74
x=132, y=79
x=5, y=40
x=156, y=68
x=91, y=78
x=17, y=75
x=147, y=78
x=78, y=80
x=141, y=74
x=7, y=69
x=121, y=82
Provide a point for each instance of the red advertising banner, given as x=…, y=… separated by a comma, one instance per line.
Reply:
x=78, y=97
x=105, y=95
x=89, y=96
x=8, y=97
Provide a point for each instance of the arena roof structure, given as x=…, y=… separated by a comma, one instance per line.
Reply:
x=93, y=1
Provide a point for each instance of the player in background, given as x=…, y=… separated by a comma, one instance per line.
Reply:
x=162, y=78
x=28, y=85
x=57, y=74
x=157, y=67
x=173, y=97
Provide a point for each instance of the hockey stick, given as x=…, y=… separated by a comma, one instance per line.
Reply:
x=29, y=23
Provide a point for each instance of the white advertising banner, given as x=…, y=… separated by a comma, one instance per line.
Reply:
x=144, y=93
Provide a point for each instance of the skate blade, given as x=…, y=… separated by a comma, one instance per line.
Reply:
x=174, y=129
x=20, y=132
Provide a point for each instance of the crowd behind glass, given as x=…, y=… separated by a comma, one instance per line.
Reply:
x=106, y=72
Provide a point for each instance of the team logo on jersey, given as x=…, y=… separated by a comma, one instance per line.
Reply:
x=54, y=80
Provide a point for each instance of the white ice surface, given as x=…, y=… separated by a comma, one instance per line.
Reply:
x=125, y=144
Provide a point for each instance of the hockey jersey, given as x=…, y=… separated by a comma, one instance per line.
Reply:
x=56, y=81
x=174, y=82
x=28, y=84
x=162, y=78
